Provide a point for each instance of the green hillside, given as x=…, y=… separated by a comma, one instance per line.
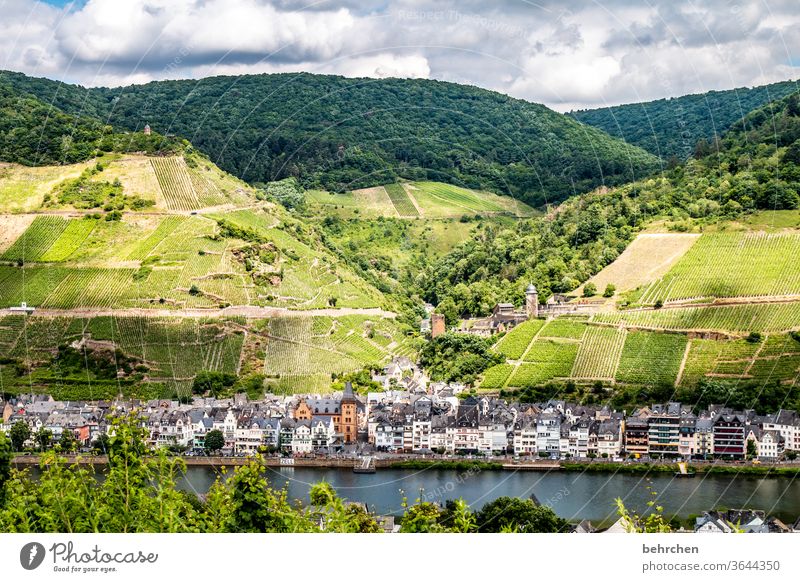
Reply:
x=34, y=133
x=672, y=127
x=756, y=169
x=342, y=134
x=416, y=200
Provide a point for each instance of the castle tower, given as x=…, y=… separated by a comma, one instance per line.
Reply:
x=349, y=415
x=147, y=129
x=437, y=325
x=532, y=301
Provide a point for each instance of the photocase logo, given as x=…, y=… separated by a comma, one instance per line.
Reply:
x=31, y=555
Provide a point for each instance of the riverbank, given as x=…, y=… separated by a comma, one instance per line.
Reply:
x=500, y=464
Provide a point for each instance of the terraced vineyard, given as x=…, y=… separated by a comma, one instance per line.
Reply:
x=70, y=240
x=765, y=317
x=516, y=341
x=777, y=359
x=733, y=264
x=43, y=232
x=299, y=349
x=165, y=228
x=402, y=203
x=176, y=184
x=495, y=377
x=650, y=358
x=599, y=353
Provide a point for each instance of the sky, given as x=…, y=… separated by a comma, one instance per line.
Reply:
x=567, y=55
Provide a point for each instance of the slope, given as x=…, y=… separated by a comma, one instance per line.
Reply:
x=342, y=134
x=672, y=127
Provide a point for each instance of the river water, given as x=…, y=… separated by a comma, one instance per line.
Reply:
x=572, y=495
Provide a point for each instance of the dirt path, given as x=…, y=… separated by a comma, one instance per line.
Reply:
x=248, y=311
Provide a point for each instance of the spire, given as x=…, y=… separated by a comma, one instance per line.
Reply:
x=348, y=395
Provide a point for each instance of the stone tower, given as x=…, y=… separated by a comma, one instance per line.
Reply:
x=349, y=415
x=147, y=130
x=532, y=301
x=437, y=325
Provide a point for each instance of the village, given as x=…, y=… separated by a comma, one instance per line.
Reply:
x=412, y=416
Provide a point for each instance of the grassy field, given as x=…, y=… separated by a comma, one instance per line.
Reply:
x=434, y=200
x=22, y=189
x=732, y=264
x=438, y=200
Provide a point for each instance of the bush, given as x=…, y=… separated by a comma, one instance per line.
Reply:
x=589, y=290
x=755, y=337
x=610, y=290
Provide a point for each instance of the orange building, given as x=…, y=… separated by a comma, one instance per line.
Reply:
x=349, y=420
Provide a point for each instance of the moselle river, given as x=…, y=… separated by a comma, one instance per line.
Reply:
x=573, y=495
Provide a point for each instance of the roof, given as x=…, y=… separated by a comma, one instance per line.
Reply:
x=531, y=288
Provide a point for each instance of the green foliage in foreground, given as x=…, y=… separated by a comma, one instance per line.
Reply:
x=140, y=494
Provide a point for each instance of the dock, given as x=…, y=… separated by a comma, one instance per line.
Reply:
x=366, y=465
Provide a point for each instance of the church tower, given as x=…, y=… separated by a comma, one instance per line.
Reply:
x=532, y=301
x=349, y=415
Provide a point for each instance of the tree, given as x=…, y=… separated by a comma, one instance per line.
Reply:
x=752, y=451
x=20, y=432
x=654, y=522
x=101, y=443
x=754, y=337
x=793, y=105
x=213, y=383
x=610, y=290
x=589, y=290
x=214, y=441
x=518, y=515
x=458, y=357
x=68, y=442
x=42, y=438
x=5, y=465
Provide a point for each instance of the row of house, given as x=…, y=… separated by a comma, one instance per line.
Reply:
x=413, y=421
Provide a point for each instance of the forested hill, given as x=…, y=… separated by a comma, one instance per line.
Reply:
x=673, y=127
x=34, y=133
x=339, y=134
x=756, y=167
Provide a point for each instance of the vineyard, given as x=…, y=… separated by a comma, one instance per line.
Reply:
x=776, y=359
x=651, y=358
x=516, y=341
x=302, y=348
x=439, y=200
x=401, y=201
x=765, y=317
x=172, y=350
x=69, y=241
x=599, y=353
x=737, y=264
x=43, y=232
x=300, y=353
x=176, y=183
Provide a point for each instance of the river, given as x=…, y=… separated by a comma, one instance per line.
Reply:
x=572, y=495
